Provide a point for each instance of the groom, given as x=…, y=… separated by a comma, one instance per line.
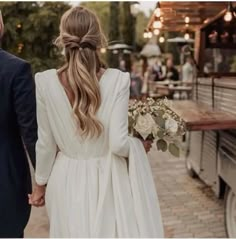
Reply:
x=18, y=130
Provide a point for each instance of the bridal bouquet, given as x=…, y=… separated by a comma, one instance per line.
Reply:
x=153, y=119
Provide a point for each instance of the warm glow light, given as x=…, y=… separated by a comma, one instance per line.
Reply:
x=187, y=19
x=103, y=50
x=158, y=12
x=156, y=32
x=18, y=25
x=228, y=16
x=145, y=35
x=134, y=8
x=157, y=24
x=149, y=35
x=161, y=39
x=186, y=36
x=115, y=52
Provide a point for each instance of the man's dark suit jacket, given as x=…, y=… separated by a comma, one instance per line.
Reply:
x=18, y=129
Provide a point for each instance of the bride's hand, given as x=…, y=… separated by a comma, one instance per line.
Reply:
x=147, y=144
x=37, y=197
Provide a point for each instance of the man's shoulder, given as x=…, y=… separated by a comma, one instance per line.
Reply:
x=11, y=60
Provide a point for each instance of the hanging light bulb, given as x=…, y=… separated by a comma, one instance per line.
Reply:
x=162, y=39
x=157, y=24
x=187, y=20
x=145, y=34
x=186, y=36
x=149, y=34
x=156, y=32
x=158, y=10
x=18, y=25
x=229, y=14
x=103, y=50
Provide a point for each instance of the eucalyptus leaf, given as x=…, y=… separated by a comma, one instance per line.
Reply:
x=174, y=150
x=160, y=134
x=160, y=121
x=161, y=145
x=160, y=112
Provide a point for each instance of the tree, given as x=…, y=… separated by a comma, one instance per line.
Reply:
x=30, y=28
x=102, y=10
x=114, y=32
x=128, y=31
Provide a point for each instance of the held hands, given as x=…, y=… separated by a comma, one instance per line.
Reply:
x=37, y=198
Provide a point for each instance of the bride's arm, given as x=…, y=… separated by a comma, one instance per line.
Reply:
x=46, y=147
x=118, y=135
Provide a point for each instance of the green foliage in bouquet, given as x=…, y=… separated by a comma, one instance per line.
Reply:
x=154, y=119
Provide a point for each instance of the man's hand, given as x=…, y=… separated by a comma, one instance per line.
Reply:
x=147, y=144
x=37, y=197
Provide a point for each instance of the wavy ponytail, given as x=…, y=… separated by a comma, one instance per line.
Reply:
x=81, y=36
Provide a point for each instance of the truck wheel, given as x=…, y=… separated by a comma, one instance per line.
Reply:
x=190, y=170
x=230, y=213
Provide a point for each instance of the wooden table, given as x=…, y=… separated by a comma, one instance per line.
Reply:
x=199, y=116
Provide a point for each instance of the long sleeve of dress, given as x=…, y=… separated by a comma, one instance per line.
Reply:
x=118, y=135
x=46, y=147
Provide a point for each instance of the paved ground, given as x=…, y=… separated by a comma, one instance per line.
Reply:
x=189, y=208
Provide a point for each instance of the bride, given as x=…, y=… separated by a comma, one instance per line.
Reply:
x=94, y=178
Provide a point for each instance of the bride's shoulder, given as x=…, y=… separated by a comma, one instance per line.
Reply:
x=120, y=78
x=45, y=76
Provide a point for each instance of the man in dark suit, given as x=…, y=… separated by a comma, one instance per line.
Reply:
x=18, y=130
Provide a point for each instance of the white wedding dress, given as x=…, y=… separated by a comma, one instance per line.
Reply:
x=91, y=190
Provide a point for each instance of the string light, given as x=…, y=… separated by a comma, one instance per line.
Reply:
x=187, y=20
x=162, y=39
x=149, y=34
x=158, y=10
x=20, y=47
x=230, y=12
x=186, y=36
x=156, y=32
x=157, y=24
x=228, y=16
x=103, y=50
x=145, y=34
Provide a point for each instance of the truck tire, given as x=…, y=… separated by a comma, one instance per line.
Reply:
x=230, y=213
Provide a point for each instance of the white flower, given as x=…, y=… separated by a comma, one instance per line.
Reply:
x=155, y=130
x=171, y=125
x=135, y=112
x=145, y=125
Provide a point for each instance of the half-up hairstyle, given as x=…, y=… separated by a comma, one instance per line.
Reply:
x=80, y=37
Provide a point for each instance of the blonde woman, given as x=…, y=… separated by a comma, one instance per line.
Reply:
x=83, y=145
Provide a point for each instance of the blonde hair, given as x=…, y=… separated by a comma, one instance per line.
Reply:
x=1, y=25
x=80, y=37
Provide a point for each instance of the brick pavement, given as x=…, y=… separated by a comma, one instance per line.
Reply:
x=189, y=208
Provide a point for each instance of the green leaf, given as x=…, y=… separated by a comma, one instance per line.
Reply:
x=161, y=145
x=160, y=112
x=174, y=150
x=160, y=134
x=160, y=121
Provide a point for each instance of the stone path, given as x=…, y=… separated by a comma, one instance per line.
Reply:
x=189, y=208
